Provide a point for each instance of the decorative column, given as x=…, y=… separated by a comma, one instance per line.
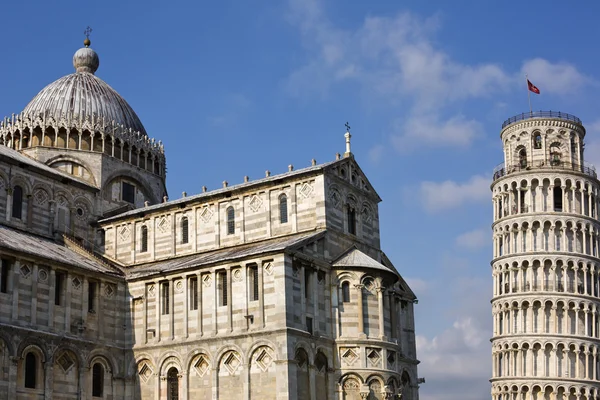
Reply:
x=361, y=321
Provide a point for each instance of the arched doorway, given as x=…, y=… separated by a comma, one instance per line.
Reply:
x=173, y=384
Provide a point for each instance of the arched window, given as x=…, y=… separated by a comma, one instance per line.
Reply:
x=173, y=384
x=184, y=230
x=230, y=221
x=30, y=371
x=283, y=209
x=523, y=158
x=346, y=292
x=537, y=141
x=555, y=154
x=101, y=235
x=17, y=202
x=351, y=217
x=144, y=239
x=97, y=380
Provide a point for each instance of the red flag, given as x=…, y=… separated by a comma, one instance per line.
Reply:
x=532, y=87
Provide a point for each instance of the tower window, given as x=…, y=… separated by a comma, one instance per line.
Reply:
x=193, y=293
x=253, y=282
x=58, y=288
x=165, y=298
x=537, y=141
x=558, y=198
x=283, y=209
x=17, y=202
x=30, y=371
x=230, y=221
x=307, y=282
x=222, y=288
x=351, y=217
x=128, y=192
x=144, y=244
x=97, y=380
x=92, y=296
x=309, y=325
x=346, y=292
x=523, y=158
x=4, y=276
x=184, y=230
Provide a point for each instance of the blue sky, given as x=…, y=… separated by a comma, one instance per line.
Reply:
x=234, y=88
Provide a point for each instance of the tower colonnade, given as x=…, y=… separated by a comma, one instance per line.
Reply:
x=546, y=265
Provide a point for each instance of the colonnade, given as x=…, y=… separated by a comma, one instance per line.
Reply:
x=559, y=234
x=128, y=146
x=558, y=275
x=550, y=360
x=575, y=198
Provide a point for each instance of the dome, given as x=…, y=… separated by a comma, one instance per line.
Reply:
x=83, y=95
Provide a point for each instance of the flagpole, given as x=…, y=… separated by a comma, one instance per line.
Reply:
x=528, y=94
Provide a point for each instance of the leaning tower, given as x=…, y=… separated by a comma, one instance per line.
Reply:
x=546, y=294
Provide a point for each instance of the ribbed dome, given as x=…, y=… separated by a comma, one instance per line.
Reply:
x=82, y=95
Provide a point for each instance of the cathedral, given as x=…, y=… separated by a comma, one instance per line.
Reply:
x=274, y=288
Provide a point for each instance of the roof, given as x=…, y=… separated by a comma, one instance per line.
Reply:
x=37, y=246
x=82, y=95
x=216, y=192
x=356, y=258
x=221, y=255
x=21, y=158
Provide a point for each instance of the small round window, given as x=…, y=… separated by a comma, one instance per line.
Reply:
x=80, y=212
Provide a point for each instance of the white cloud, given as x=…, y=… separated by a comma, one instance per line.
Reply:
x=418, y=285
x=450, y=194
x=456, y=362
x=398, y=59
x=376, y=153
x=395, y=56
x=560, y=78
x=474, y=239
x=428, y=130
x=452, y=361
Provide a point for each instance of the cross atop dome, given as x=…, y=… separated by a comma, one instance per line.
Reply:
x=87, y=32
x=86, y=59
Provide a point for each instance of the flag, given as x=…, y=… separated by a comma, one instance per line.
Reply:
x=532, y=87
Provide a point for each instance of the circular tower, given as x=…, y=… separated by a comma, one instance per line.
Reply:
x=546, y=294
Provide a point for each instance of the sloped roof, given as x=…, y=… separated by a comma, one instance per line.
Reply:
x=227, y=254
x=37, y=246
x=19, y=158
x=356, y=258
x=245, y=185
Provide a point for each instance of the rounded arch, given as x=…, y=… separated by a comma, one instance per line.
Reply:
x=257, y=345
x=377, y=377
x=302, y=345
x=345, y=276
x=68, y=348
x=134, y=363
x=192, y=355
x=133, y=176
x=351, y=375
x=226, y=349
x=19, y=180
x=106, y=365
x=29, y=345
x=168, y=356
x=170, y=363
x=73, y=166
x=101, y=354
